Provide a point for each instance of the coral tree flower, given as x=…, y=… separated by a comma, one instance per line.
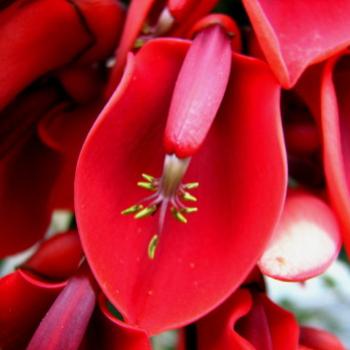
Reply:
x=294, y=34
x=48, y=102
x=49, y=304
x=237, y=158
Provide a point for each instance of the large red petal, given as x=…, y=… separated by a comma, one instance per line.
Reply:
x=241, y=167
x=335, y=116
x=295, y=33
x=24, y=300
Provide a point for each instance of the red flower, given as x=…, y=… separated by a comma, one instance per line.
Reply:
x=42, y=129
x=240, y=168
x=56, y=307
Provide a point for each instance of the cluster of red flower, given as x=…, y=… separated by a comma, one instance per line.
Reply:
x=242, y=112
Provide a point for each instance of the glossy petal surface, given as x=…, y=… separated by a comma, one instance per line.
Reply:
x=335, y=116
x=197, y=265
x=295, y=33
x=57, y=258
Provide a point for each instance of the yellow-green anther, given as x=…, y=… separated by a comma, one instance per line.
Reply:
x=190, y=210
x=188, y=197
x=191, y=185
x=178, y=216
x=152, y=246
x=147, y=177
x=146, y=185
x=139, y=43
x=133, y=209
x=146, y=212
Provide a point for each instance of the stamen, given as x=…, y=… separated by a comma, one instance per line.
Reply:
x=188, y=197
x=169, y=191
x=146, y=185
x=178, y=216
x=146, y=212
x=133, y=209
x=152, y=246
x=147, y=177
x=191, y=185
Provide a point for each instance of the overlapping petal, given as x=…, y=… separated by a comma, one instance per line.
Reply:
x=306, y=240
x=294, y=34
x=248, y=320
x=60, y=32
x=24, y=300
x=199, y=264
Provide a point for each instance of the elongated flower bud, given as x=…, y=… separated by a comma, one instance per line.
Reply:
x=199, y=90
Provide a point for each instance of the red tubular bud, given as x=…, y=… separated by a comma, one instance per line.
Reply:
x=199, y=90
x=226, y=22
x=180, y=8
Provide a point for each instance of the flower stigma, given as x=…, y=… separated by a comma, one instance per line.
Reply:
x=169, y=192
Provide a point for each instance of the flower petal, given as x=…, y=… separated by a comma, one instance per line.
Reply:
x=307, y=223
x=64, y=325
x=199, y=264
x=58, y=257
x=24, y=300
x=293, y=34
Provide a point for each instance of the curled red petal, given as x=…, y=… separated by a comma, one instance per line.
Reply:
x=58, y=257
x=248, y=320
x=296, y=34
x=307, y=221
x=24, y=300
x=64, y=325
x=334, y=116
x=199, y=264
x=108, y=332
x=319, y=339
x=56, y=37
